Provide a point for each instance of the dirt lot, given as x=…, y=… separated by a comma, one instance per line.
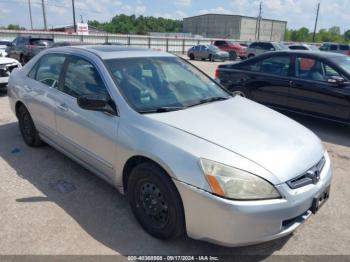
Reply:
x=51, y=205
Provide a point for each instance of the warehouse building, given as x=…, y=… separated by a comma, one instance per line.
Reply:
x=235, y=27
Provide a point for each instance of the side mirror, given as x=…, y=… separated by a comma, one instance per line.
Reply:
x=100, y=103
x=272, y=49
x=338, y=80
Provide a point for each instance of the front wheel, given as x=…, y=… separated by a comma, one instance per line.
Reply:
x=155, y=201
x=191, y=57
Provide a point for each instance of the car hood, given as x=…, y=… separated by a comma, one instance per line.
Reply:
x=6, y=60
x=278, y=144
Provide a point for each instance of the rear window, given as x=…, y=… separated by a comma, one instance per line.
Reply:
x=41, y=42
x=344, y=47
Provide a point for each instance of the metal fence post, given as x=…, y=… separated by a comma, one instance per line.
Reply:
x=149, y=42
x=183, y=46
x=167, y=45
x=128, y=40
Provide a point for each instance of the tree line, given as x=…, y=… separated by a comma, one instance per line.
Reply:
x=332, y=34
x=125, y=24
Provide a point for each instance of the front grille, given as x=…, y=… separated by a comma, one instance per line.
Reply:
x=311, y=176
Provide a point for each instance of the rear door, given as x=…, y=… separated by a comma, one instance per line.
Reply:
x=268, y=80
x=88, y=135
x=312, y=93
x=41, y=86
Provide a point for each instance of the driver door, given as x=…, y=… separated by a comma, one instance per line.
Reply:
x=88, y=135
x=312, y=93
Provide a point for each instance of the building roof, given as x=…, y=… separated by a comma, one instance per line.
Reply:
x=241, y=16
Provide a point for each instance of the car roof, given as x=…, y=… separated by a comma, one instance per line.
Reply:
x=308, y=52
x=106, y=52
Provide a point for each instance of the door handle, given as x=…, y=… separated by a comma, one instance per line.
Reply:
x=291, y=83
x=63, y=107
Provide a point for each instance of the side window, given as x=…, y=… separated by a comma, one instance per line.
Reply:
x=344, y=47
x=312, y=69
x=276, y=65
x=267, y=46
x=196, y=48
x=48, y=69
x=334, y=47
x=330, y=71
x=82, y=78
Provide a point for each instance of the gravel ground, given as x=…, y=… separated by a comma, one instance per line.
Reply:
x=51, y=205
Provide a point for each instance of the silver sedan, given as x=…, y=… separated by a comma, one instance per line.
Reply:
x=191, y=158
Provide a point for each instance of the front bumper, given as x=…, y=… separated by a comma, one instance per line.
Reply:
x=235, y=223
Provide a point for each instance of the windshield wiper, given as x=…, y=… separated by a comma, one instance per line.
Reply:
x=210, y=99
x=162, y=109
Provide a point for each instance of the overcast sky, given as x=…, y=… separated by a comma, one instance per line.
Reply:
x=298, y=13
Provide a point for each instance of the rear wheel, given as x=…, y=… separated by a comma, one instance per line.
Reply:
x=26, y=126
x=191, y=56
x=155, y=201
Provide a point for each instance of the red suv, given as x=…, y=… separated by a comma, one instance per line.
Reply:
x=234, y=48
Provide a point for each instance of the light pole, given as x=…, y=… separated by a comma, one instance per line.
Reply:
x=44, y=14
x=74, y=21
x=30, y=14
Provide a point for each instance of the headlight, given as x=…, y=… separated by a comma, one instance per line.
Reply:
x=237, y=184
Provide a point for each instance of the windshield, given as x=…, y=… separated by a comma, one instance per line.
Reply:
x=314, y=48
x=158, y=84
x=41, y=42
x=343, y=62
x=281, y=47
x=213, y=48
x=232, y=43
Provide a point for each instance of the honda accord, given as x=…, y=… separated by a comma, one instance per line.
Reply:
x=174, y=141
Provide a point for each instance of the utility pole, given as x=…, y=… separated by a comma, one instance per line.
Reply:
x=314, y=35
x=30, y=14
x=44, y=14
x=259, y=20
x=74, y=21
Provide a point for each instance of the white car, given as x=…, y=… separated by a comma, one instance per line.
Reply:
x=7, y=65
x=3, y=45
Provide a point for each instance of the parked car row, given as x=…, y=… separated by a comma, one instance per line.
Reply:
x=308, y=82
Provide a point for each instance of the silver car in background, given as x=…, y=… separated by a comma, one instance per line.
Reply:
x=210, y=52
x=174, y=141
x=258, y=48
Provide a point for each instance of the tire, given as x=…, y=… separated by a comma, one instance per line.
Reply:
x=26, y=126
x=233, y=55
x=243, y=57
x=240, y=91
x=211, y=58
x=156, y=202
x=191, y=57
x=251, y=55
x=21, y=60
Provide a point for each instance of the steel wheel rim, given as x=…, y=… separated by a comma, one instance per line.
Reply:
x=153, y=205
